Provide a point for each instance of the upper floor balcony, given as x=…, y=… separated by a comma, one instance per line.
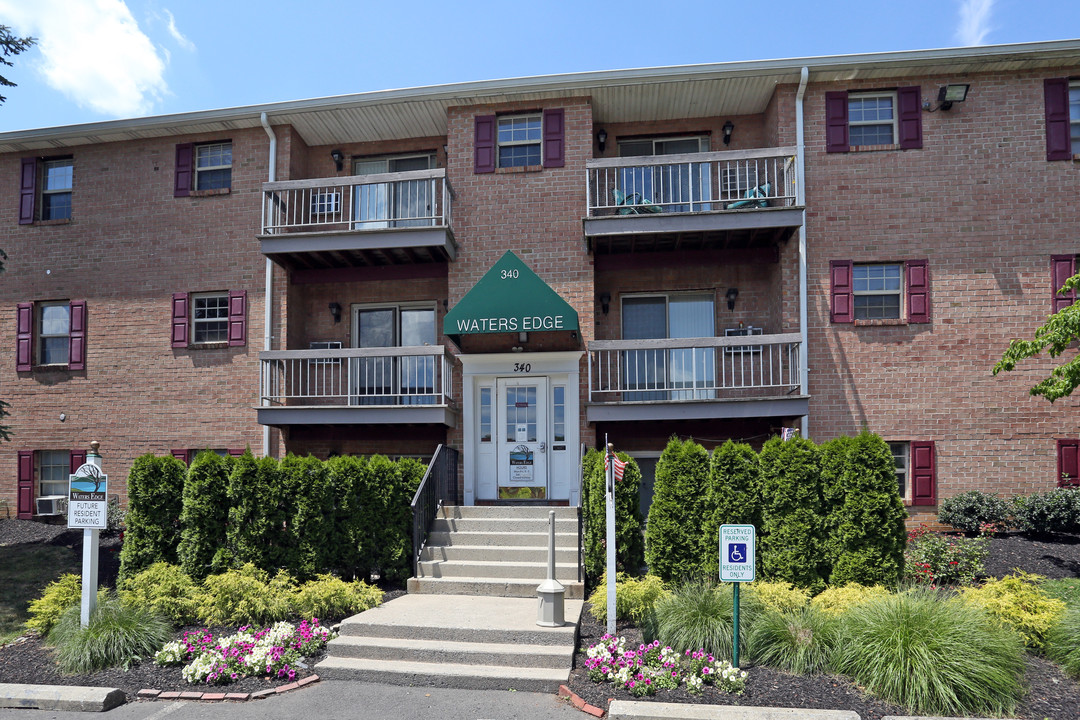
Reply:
x=695, y=378
x=729, y=199
x=360, y=221
x=357, y=386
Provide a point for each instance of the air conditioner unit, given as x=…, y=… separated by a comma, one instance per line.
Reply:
x=325, y=203
x=52, y=505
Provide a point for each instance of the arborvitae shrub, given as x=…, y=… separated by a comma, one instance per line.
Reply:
x=732, y=498
x=383, y=527
x=593, y=514
x=205, y=513
x=260, y=515
x=155, y=500
x=313, y=523
x=673, y=534
x=345, y=476
x=629, y=543
x=833, y=462
x=791, y=541
x=865, y=528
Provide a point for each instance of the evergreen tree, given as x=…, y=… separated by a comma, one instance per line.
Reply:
x=204, y=515
x=732, y=498
x=673, y=533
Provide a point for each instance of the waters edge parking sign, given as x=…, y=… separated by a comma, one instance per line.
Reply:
x=87, y=492
x=737, y=556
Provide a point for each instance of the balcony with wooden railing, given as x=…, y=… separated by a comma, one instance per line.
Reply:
x=737, y=198
x=357, y=386
x=359, y=221
x=690, y=378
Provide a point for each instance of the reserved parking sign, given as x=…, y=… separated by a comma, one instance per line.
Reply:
x=737, y=553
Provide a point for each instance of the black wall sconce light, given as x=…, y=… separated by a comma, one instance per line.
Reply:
x=335, y=311
x=339, y=159
x=601, y=139
x=729, y=127
x=732, y=293
x=605, y=301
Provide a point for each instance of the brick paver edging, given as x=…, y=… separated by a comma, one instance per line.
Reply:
x=575, y=700
x=151, y=694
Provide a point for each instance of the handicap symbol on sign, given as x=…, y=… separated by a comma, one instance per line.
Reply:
x=737, y=552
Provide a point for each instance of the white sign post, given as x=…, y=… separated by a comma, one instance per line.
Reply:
x=87, y=507
x=609, y=483
x=737, y=565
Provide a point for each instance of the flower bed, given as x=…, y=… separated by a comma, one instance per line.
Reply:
x=649, y=668
x=270, y=652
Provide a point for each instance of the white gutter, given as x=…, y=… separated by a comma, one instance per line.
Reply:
x=268, y=303
x=800, y=200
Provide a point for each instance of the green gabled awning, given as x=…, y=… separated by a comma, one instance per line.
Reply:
x=509, y=298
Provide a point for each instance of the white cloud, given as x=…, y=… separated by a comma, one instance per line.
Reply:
x=93, y=52
x=177, y=35
x=974, y=21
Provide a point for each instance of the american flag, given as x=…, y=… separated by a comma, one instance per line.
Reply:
x=620, y=466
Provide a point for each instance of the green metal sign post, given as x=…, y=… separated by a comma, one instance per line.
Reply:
x=737, y=565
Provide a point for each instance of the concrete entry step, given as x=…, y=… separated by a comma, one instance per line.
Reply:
x=479, y=538
x=503, y=524
x=483, y=677
x=535, y=571
x=501, y=553
x=508, y=511
x=468, y=653
x=500, y=587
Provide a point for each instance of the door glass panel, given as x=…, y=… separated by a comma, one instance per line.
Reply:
x=375, y=376
x=372, y=201
x=521, y=413
x=643, y=319
x=412, y=198
x=558, y=406
x=679, y=188
x=692, y=316
x=418, y=372
x=485, y=414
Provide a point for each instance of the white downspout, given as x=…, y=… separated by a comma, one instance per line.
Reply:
x=800, y=199
x=268, y=297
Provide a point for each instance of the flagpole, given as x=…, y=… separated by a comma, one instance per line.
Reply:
x=609, y=472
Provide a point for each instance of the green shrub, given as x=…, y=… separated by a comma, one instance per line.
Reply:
x=1063, y=641
x=791, y=537
x=699, y=615
x=629, y=543
x=385, y=531
x=635, y=598
x=732, y=498
x=864, y=523
x=117, y=635
x=1019, y=603
x=58, y=596
x=800, y=640
x=204, y=515
x=246, y=596
x=327, y=597
x=779, y=596
x=838, y=600
x=935, y=559
x=165, y=589
x=673, y=532
x=262, y=505
x=933, y=654
x=973, y=510
x=155, y=500
x=346, y=476
x=314, y=518
x=1055, y=511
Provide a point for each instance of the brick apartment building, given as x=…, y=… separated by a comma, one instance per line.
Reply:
x=518, y=268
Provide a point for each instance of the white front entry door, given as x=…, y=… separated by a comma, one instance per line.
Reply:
x=522, y=445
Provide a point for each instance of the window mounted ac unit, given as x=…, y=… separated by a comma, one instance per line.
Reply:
x=52, y=505
x=325, y=203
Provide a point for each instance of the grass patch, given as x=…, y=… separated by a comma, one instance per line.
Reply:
x=24, y=573
x=800, y=640
x=116, y=636
x=698, y=615
x=1063, y=642
x=1067, y=590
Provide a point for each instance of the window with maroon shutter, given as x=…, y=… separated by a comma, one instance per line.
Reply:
x=554, y=136
x=27, y=190
x=909, y=116
x=236, y=452
x=484, y=144
x=1056, y=106
x=24, y=337
x=1068, y=462
x=78, y=458
x=237, y=318
x=918, y=292
x=841, y=307
x=184, y=168
x=923, y=473
x=836, y=122
x=180, y=320
x=1062, y=267
x=77, y=336
x=26, y=485
x=181, y=455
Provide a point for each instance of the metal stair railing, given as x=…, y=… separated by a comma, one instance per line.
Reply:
x=438, y=487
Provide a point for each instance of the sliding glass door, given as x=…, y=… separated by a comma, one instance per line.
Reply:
x=407, y=203
x=678, y=187
x=669, y=373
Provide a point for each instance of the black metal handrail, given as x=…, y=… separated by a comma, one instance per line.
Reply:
x=438, y=487
x=580, y=515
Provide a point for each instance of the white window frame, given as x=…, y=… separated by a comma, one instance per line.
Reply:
x=1074, y=116
x=41, y=335
x=200, y=170
x=903, y=474
x=893, y=124
x=50, y=192
x=196, y=321
x=499, y=144
x=899, y=292
x=60, y=479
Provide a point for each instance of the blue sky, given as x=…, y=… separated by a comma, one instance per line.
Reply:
x=105, y=59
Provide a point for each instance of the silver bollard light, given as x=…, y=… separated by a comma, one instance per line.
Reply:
x=551, y=592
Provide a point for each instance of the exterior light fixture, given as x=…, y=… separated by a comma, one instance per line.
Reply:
x=338, y=157
x=601, y=139
x=605, y=301
x=523, y=337
x=728, y=128
x=950, y=94
x=732, y=293
x=335, y=311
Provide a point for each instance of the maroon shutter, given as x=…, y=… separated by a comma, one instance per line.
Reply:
x=923, y=473
x=184, y=161
x=27, y=190
x=179, y=320
x=842, y=306
x=237, y=318
x=181, y=455
x=554, y=138
x=1062, y=267
x=26, y=485
x=484, y=144
x=1068, y=462
x=918, y=292
x=78, y=457
x=24, y=337
x=1056, y=97
x=236, y=452
x=836, y=122
x=909, y=114
x=77, y=336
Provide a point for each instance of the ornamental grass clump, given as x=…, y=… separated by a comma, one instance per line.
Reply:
x=644, y=670
x=934, y=654
x=117, y=635
x=1018, y=602
x=1063, y=641
x=698, y=615
x=800, y=641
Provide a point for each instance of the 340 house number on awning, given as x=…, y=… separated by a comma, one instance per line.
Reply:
x=522, y=367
